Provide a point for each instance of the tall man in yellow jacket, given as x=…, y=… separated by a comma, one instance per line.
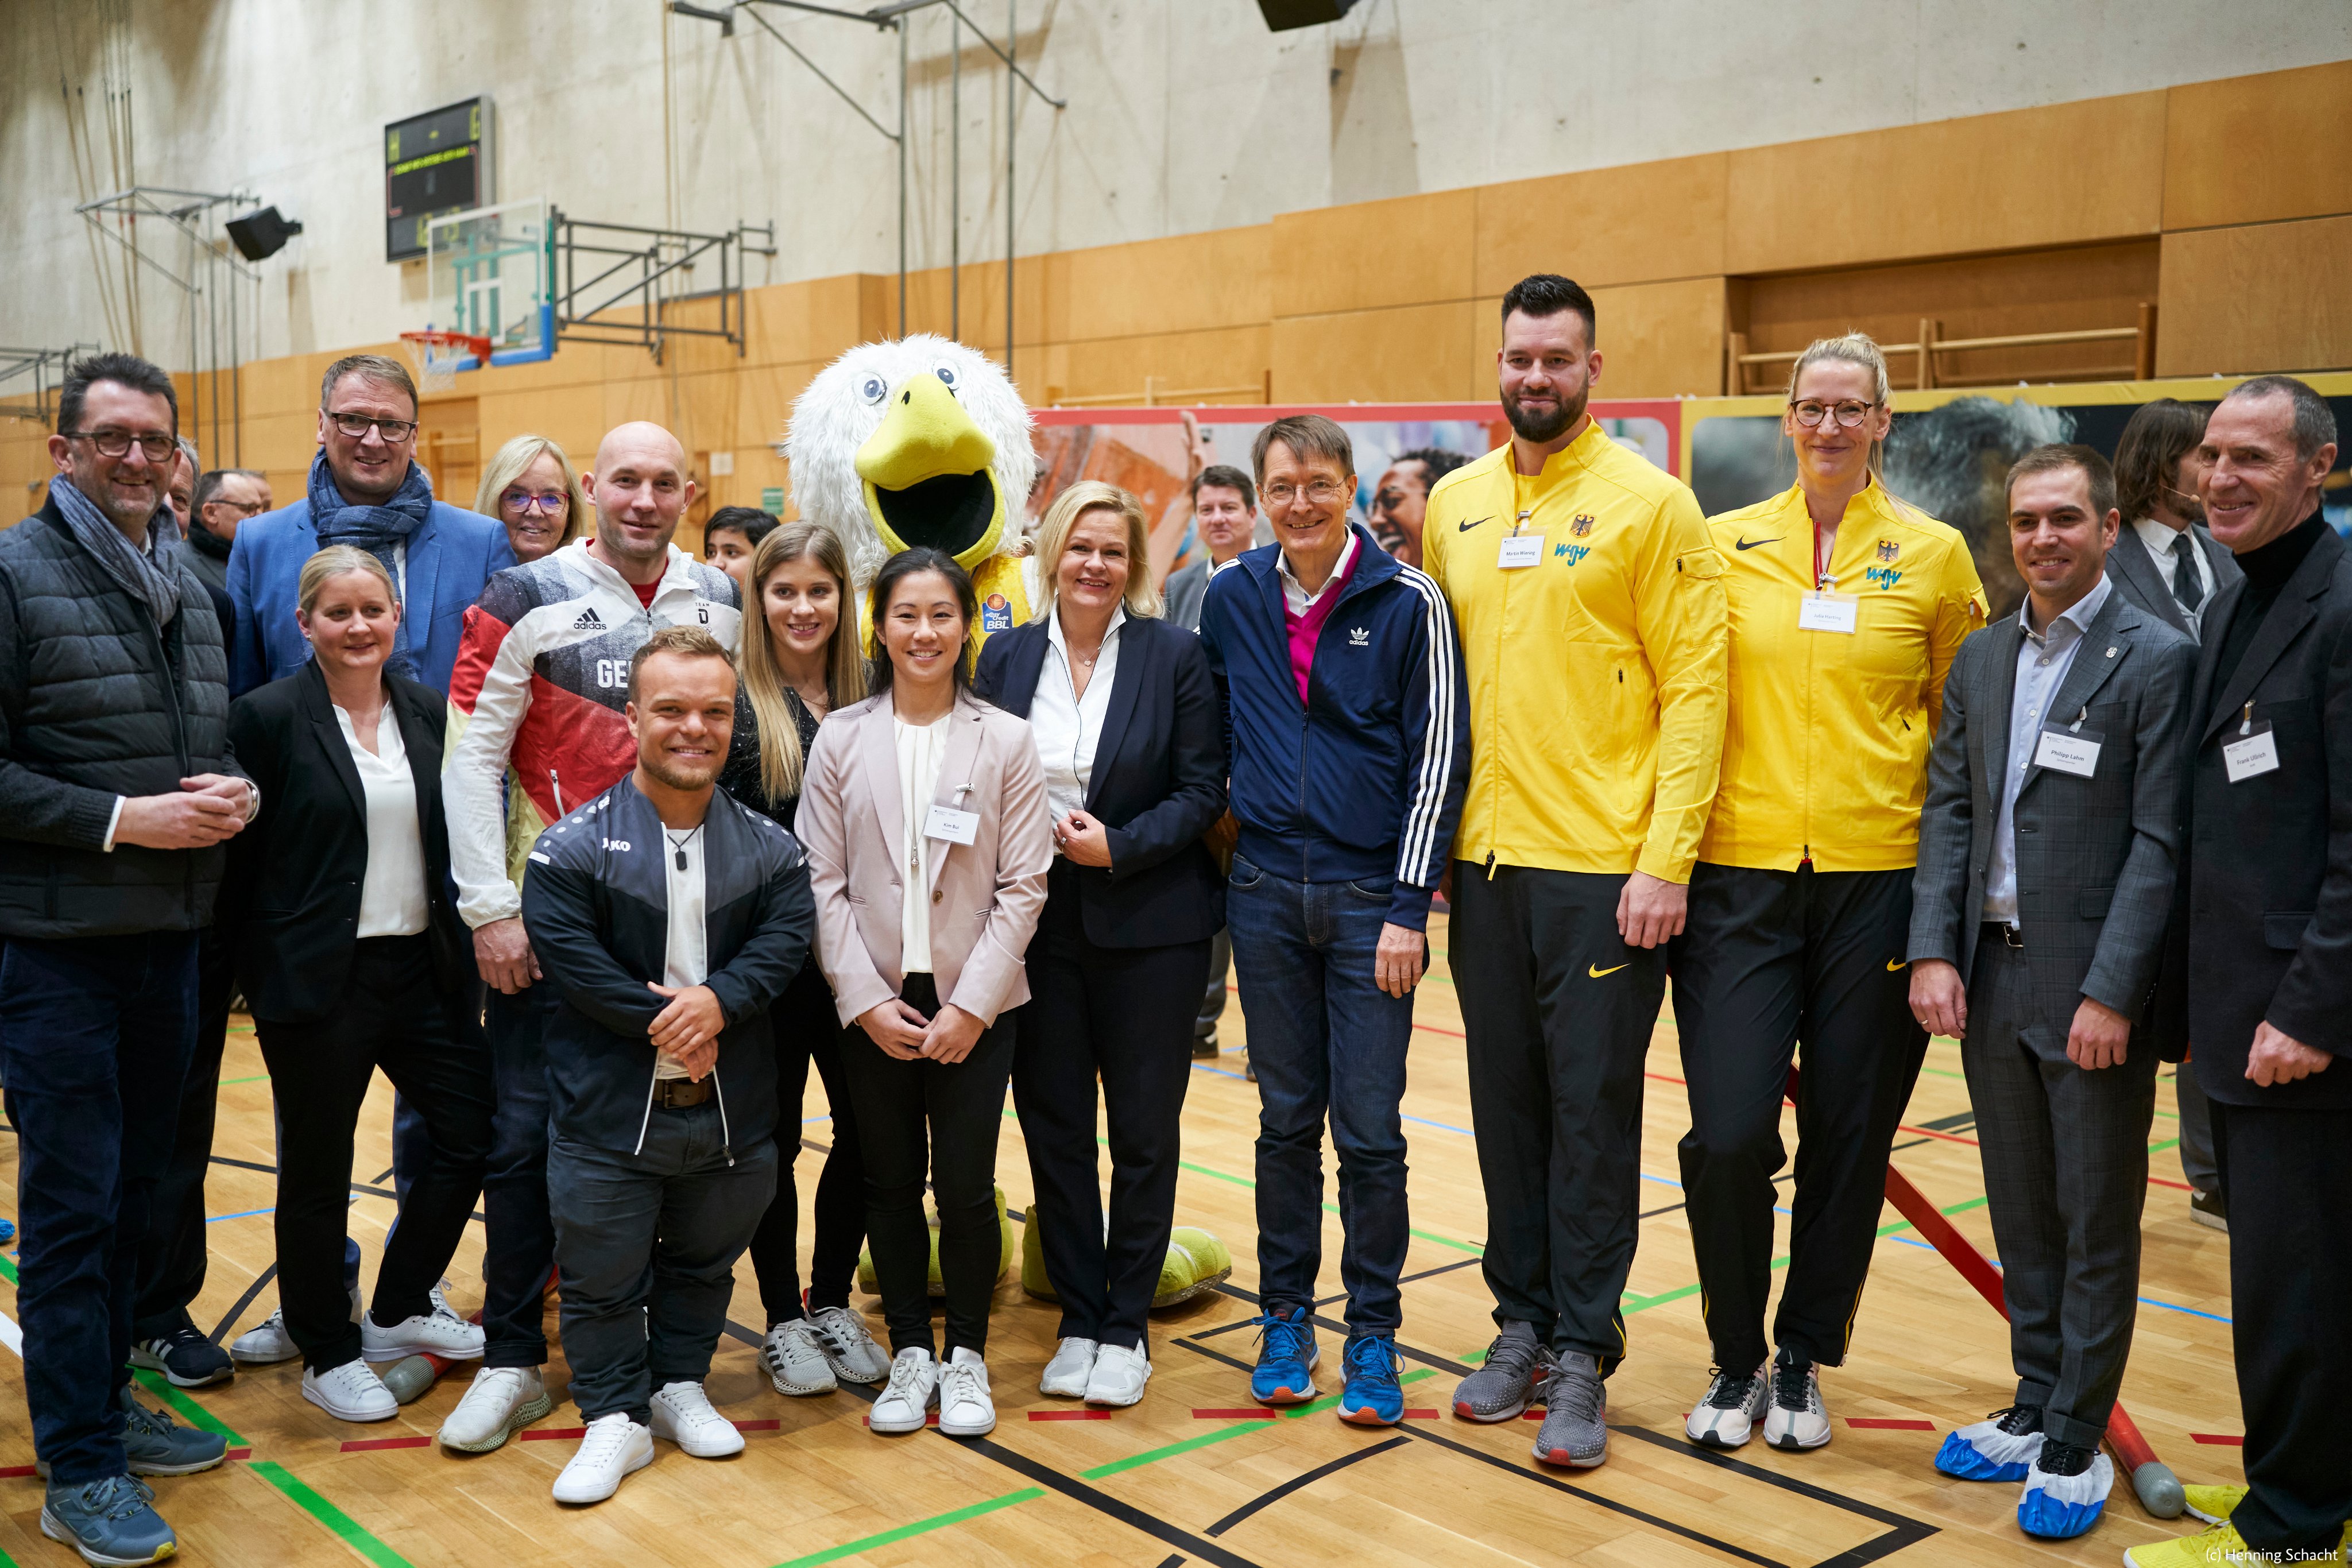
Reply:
x=1590, y=599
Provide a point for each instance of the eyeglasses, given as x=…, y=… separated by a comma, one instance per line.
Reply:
x=1849, y=413
x=1322, y=492
x=155, y=445
x=551, y=503
x=242, y=508
x=357, y=425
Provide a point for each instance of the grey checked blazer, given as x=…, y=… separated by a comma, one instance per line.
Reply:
x=2095, y=857
x=2136, y=576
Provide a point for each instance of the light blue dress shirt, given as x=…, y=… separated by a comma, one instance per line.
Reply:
x=2042, y=660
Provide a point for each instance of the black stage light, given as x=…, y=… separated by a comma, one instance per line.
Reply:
x=262, y=234
x=1281, y=16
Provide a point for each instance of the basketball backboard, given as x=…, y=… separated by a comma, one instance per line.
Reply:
x=491, y=274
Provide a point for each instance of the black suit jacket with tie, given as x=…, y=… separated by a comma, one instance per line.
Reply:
x=1158, y=783
x=292, y=897
x=2135, y=577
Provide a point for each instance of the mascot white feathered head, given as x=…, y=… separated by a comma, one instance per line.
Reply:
x=919, y=441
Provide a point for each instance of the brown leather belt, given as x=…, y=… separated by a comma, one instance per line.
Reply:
x=677, y=1093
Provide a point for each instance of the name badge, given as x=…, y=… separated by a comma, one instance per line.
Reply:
x=1825, y=611
x=1520, y=549
x=947, y=822
x=2068, y=751
x=2251, y=754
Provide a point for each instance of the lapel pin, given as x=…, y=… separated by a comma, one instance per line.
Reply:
x=2111, y=653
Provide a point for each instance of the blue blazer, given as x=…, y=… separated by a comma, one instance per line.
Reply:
x=1158, y=784
x=450, y=559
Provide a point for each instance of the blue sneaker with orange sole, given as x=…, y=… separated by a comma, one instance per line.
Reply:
x=1372, y=1397
x=1286, y=1355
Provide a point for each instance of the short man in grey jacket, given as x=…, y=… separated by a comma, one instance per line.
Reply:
x=2047, y=855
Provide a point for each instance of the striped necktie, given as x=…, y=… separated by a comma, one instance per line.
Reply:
x=2187, y=585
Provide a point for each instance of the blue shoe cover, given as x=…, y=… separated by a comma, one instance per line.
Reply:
x=1985, y=1453
x=2060, y=1508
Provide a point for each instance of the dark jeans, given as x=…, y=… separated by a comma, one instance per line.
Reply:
x=519, y=1242
x=1324, y=1040
x=647, y=1244
x=171, y=1259
x=1212, y=991
x=391, y=1015
x=1116, y=1014
x=1769, y=959
x=806, y=1029
x=940, y=1116
x=1556, y=1013
x=97, y=1033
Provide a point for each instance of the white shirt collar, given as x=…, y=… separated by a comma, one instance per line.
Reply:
x=1295, y=592
x=2077, y=615
x=1053, y=628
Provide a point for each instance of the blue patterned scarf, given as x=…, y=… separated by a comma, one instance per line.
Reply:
x=147, y=575
x=379, y=530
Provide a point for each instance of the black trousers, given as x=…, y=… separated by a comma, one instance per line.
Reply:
x=940, y=1116
x=1119, y=1013
x=391, y=1015
x=172, y=1257
x=1768, y=959
x=2289, y=1178
x=806, y=1030
x=1557, y=1013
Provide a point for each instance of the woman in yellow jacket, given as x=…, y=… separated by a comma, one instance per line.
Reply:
x=1845, y=608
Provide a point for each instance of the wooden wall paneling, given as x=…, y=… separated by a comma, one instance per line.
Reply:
x=1176, y=361
x=1629, y=225
x=2259, y=148
x=570, y=416
x=1408, y=250
x=2270, y=296
x=1184, y=283
x=1407, y=354
x=1659, y=340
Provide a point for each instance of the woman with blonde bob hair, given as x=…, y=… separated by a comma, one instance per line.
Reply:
x=531, y=488
x=1125, y=719
x=799, y=662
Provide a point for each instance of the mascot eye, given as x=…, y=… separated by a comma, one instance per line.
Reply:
x=947, y=373
x=873, y=388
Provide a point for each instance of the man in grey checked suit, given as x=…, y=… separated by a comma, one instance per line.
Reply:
x=2047, y=853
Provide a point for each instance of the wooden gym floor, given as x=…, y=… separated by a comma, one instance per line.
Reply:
x=1192, y=1475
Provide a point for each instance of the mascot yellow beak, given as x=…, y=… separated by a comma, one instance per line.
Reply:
x=930, y=476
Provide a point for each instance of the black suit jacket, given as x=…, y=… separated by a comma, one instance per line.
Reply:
x=2135, y=577
x=2267, y=886
x=292, y=897
x=1158, y=784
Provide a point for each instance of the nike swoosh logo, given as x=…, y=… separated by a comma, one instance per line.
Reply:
x=1465, y=528
x=1751, y=544
x=1597, y=972
x=1892, y=965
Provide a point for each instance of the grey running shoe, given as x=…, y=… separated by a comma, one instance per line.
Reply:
x=1575, y=1431
x=156, y=1445
x=1509, y=1380
x=1727, y=1417
x=107, y=1521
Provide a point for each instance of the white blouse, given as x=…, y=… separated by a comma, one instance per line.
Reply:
x=1069, y=727
x=391, y=895
x=922, y=749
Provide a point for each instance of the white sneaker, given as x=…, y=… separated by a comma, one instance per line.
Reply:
x=795, y=1360
x=682, y=1414
x=1119, y=1375
x=439, y=1296
x=1727, y=1417
x=965, y=1409
x=906, y=1404
x=1066, y=1374
x=1795, y=1420
x=613, y=1446
x=502, y=1401
x=452, y=1338
x=351, y=1392
x=266, y=1345
x=841, y=1335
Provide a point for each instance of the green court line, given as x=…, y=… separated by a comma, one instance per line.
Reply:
x=346, y=1528
x=908, y=1532
x=1153, y=1455
x=8, y=1270
x=1634, y=1303
x=257, y=1078
x=2159, y=1148
x=190, y=1411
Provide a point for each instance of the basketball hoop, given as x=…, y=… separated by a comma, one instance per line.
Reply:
x=440, y=356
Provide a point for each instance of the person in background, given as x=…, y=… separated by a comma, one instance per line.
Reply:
x=223, y=498
x=731, y=536
x=1347, y=746
x=531, y=487
x=180, y=492
x=801, y=664
x=2168, y=564
x=366, y=489
x=1845, y=608
x=538, y=692
x=924, y=819
x=1124, y=718
x=2047, y=855
x=353, y=959
x=667, y=924
x=1401, y=500
x=117, y=793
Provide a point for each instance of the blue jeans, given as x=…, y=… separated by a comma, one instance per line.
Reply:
x=1323, y=1038
x=519, y=1234
x=98, y=1032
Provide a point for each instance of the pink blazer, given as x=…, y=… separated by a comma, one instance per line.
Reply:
x=985, y=896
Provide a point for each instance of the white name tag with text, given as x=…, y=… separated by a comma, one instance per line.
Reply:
x=1828, y=613
x=956, y=826
x=2251, y=756
x=2067, y=753
x=1520, y=549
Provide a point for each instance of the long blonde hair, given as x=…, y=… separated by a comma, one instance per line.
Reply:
x=1053, y=534
x=507, y=466
x=781, y=762
x=1853, y=349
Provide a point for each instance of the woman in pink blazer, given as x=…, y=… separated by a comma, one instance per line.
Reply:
x=924, y=787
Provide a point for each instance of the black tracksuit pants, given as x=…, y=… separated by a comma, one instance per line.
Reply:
x=1768, y=959
x=806, y=1029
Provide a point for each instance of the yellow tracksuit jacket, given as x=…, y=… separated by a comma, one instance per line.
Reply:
x=1596, y=674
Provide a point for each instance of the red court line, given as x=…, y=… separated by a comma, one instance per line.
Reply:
x=1069, y=1414
x=1888, y=1424
x=544, y=1434
x=756, y=1426
x=14, y=1472
x=2218, y=1440
x=369, y=1445
x=930, y=1420
x=1245, y=1414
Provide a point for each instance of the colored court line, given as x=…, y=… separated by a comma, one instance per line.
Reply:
x=257, y=1078
x=343, y=1526
x=1429, y=1235
x=908, y=1532
x=370, y=1445
x=2217, y=1439
x=1252, y=1413
x=1888, y=1424
x=1069, y=1414
x=246, y=1214
x=194, y=1414
x=2144, y=1300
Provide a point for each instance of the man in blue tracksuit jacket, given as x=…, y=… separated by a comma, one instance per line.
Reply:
x=1347, y=736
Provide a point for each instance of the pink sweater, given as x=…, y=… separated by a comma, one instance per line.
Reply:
x=1305, y=627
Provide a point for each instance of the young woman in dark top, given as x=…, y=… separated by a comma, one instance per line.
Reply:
x=800, y=661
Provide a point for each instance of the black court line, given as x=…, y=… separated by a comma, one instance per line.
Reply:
x=1213, y=1354
x=1175, y=1562
x=383, y=1176
x=369, y=1188
x=1902, y=1529
x=1959, y=1121
x=1427, y=1357
x=1295, y=1482
x=1406, y=1279
x=244, y=1302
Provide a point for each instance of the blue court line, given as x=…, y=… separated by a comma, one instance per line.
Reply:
x=248, y=1214
x=2144, y=1300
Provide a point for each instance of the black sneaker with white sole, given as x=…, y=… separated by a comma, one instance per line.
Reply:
x=1795, y=1420
x=186, y=1357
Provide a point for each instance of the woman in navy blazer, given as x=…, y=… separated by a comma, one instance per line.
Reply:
x=1128, y=730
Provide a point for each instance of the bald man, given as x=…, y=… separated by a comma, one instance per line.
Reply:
x=538, y=697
